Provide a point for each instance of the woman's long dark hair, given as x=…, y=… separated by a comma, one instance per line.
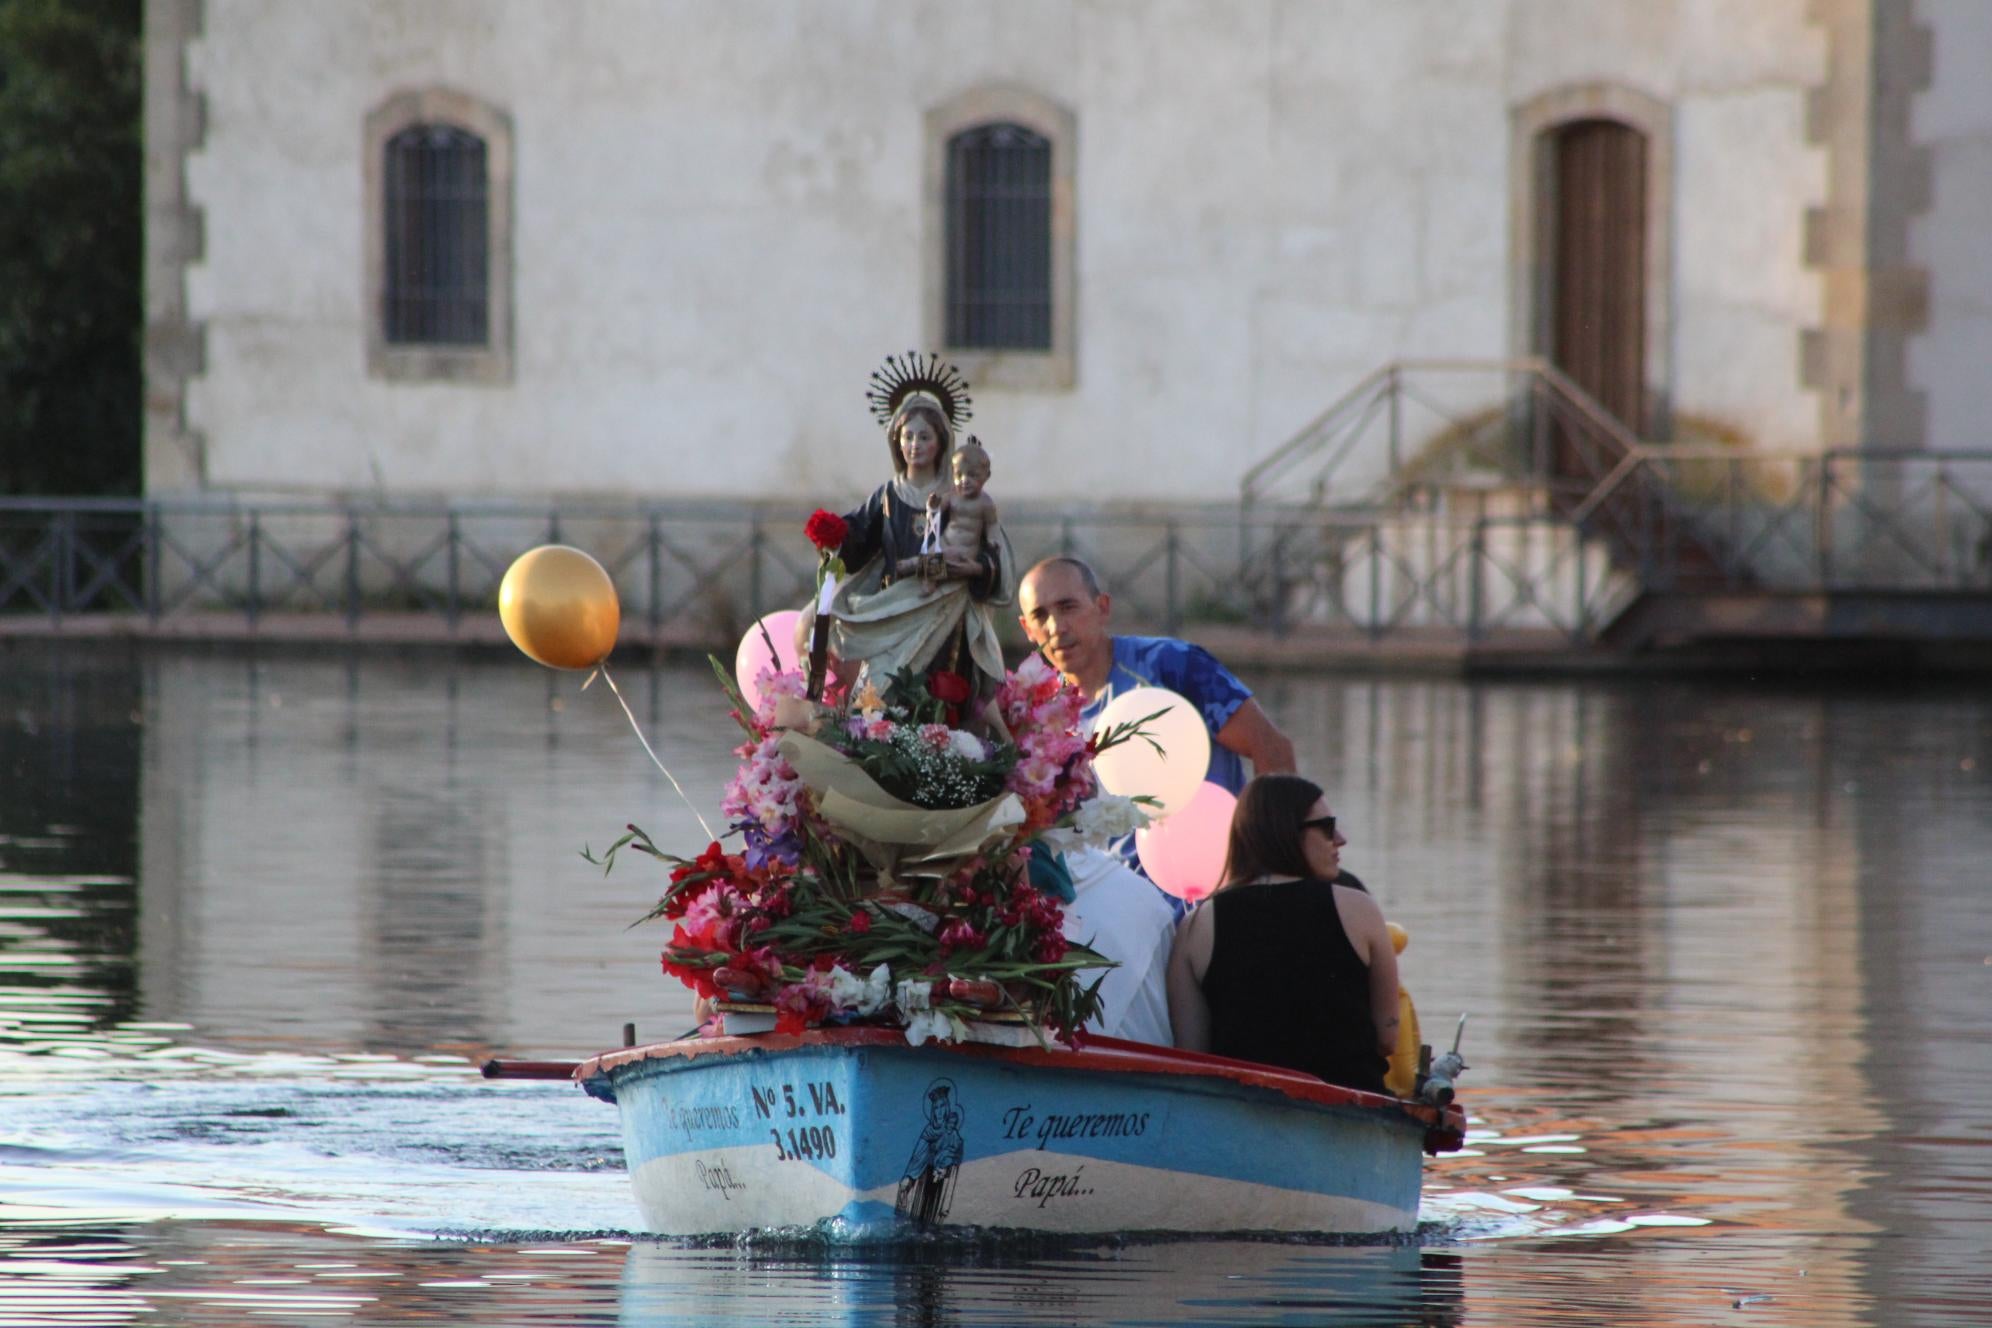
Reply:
x=1266, y=830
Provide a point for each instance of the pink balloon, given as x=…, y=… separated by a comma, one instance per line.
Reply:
x=754, y=655
x=1184, y=853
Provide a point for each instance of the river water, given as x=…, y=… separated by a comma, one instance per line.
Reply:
x=1727, y=949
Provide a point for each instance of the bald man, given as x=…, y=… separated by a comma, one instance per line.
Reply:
x=1067, y=613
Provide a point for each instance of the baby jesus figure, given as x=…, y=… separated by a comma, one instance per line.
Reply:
x=970, y=514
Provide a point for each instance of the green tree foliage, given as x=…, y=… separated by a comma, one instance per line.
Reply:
x=71, y=246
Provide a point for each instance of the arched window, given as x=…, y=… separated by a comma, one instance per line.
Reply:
x=439, y=239
x=997, y=241
x=998, y=223
x=436, y=277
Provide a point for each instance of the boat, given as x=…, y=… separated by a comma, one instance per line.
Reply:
x=852, y=1133
x=888, y=957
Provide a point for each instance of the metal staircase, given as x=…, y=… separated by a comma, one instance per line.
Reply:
x=1481, y=496
x=1468, y=495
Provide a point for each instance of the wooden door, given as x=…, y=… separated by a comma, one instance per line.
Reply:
x=1597, y=266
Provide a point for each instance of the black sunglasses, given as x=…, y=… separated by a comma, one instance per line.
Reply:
x=1325, y=824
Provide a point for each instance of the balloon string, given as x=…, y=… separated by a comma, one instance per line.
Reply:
x=602, y=671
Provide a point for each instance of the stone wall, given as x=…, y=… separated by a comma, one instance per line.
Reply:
x=718, y=227
x=1950, y=123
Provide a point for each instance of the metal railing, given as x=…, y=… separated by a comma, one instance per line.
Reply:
x=1418, y=423
x=701, y=573
x=1673, y=516
x=1843, y=520
x=163, y=558
x=1448, y=557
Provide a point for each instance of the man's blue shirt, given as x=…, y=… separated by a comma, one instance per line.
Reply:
x=1192, y=673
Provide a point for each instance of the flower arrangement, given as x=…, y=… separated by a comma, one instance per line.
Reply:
x=894, y=866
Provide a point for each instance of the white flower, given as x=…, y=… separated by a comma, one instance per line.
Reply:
x=936, y=1025
x=913, y=994
x=864, y=995
x=1099, y=821
x=1109, y=816
x=966, y=745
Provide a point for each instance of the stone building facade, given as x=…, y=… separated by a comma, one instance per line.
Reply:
x=700, y=225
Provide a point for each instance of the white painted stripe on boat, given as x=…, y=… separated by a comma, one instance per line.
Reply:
x=732, y=1189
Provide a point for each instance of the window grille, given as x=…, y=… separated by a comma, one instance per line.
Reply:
x=437, y=269
x=998, y=225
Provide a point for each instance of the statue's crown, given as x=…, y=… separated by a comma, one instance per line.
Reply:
x=901, y=378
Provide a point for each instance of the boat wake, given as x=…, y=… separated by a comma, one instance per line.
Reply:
x=406, y=1149
x=424, y=1151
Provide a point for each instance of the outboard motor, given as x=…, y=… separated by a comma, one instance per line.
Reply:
x=1435, y=1080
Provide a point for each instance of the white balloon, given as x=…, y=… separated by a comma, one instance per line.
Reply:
x=1133, y=768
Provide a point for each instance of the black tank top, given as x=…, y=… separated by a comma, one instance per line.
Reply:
x=1286, y=988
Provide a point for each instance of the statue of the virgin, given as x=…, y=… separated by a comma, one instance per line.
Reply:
x=911, y=602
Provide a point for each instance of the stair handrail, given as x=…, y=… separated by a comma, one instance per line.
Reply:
x=1610, y=425
x=1313, y=436
x=1320, y=433
x=1603, y=489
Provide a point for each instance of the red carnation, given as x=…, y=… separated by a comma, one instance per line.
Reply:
x=947, y=687
x=826, y=530
x=860, y=922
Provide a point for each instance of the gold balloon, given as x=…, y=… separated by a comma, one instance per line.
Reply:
x=560, y=607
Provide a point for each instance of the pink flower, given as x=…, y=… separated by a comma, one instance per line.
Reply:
x=765, y=962
x=710, y=912
x=957, y=934
x=1022, y=901
x=936, y=736
x=764, y=790
x=1046, y=914
x=774, y=684
x=800, y=1004
x=1035, y=669
x=1033, y=777
x=1055, y=745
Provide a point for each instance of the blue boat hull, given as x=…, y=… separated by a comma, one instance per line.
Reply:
x=863, y=1136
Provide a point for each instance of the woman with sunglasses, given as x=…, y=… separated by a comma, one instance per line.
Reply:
x=1288, y=963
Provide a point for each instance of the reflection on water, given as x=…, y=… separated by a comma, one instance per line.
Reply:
x=198, y=1274
x=1221, y=1281
x=1726, y=949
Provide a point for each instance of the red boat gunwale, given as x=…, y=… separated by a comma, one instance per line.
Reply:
x=1445, y=1128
